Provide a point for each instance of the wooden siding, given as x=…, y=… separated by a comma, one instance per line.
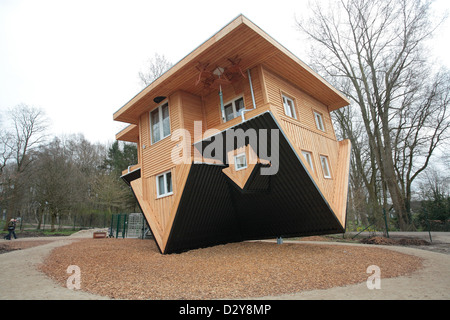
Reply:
x=342, y=179
x=160, y=212
x=179, y=179
x=147, y=210
x=192, y=115
x=213, y=113
x=156, y=157
x=160, y=206
x=240, y=177
x=305, y=136
x=192, y=110
x=318, y=145
x=305, y=105
x=184, y=109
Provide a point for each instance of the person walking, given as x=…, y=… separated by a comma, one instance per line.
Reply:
x=11, y=229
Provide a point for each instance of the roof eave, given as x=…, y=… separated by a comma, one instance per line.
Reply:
x=120, y=115
x=126, y=114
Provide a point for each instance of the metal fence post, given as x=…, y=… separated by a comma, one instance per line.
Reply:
x=124, y=230
x=143, y=227
x=428, y=223
x=118, y=224
x=111, y=232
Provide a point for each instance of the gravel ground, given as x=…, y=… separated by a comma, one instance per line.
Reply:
x=134, y=269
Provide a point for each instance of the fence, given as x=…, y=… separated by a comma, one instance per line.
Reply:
x=29, y=221
x=128, y=225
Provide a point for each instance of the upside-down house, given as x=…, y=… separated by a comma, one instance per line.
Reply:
x=235, y=142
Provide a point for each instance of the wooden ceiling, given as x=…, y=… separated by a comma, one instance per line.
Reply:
x=130, y=134
x=253, y=46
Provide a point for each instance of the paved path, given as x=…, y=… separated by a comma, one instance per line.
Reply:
x=20, y=279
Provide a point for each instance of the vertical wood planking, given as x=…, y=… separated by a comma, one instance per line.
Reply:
x=304, y=134
x=342, y=180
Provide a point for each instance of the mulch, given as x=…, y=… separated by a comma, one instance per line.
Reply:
x=134, y=269
x=395, y=242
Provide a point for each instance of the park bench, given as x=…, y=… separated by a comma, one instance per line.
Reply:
x=99, y=234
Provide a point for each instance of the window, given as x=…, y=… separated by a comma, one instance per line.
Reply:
x=232, y=109
x=164, y=184
x=289, y=108
x=319, y=121
x=240, y=161
x=308, y=157
x=160, y=123
x=325, y=167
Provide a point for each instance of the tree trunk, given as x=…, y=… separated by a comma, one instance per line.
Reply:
x=53, y=220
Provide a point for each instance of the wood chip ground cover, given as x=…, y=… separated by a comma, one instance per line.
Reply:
x=134, y=269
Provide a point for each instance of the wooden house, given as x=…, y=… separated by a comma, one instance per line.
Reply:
x=239, y=79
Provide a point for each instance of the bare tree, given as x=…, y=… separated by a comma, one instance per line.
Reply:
x=422, y=125
x=29, y=127
x=6, y=150
x=157, y=65
x=28, y=130
x=88, y=157
x=434, y=183
x=57, y=181
x=373, y=51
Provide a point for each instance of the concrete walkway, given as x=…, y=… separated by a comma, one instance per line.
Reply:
x=21, y=280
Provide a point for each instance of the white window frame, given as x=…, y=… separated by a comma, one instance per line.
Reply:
x=236, y=162
x=308, y=157
x=166, y=192
x=161, y=127
x=325, y=167
x=319, y=121
x=233, y=105
x=287, y=109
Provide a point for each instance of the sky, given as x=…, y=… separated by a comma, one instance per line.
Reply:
x=79, y=60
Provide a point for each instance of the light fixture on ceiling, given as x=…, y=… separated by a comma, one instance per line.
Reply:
x=159, y=99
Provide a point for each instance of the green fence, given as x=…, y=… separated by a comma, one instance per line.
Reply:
x=128, y=225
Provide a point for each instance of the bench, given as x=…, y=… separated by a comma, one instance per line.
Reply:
x=99, y=234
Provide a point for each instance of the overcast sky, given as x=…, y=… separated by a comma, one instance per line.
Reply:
x=79, y=59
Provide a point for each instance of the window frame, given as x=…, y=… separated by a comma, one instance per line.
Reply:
x=161, y=121
x=233, y=105
x=235, y=162
x=310, y=161
x=322, y=123
x=327, y=161
x=166, y=192
x=294, y=107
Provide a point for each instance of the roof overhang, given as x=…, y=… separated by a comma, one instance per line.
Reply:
x=129, y=134
x=253, y=46
x=131, y=176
